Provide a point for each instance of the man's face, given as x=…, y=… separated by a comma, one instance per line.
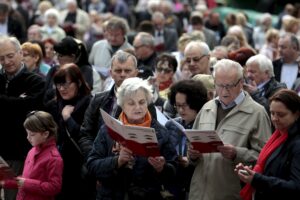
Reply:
x=121, y=71
x=197, y=62
x=115, y=37
x=228, y=86
x=141, y=50
x=255, y=74
x=10, y=58
x=158, y=23
x=285, y=49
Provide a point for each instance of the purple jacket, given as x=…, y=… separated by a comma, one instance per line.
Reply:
x=43, y=173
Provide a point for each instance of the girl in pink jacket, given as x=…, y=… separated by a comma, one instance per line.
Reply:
x=42, y=173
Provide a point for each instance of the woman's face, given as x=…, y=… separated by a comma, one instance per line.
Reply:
x=135, y=107
x=163, y=72
x=282, y=118
x=67, y=90
x=30, y=60
x=183, y=109
x=49, y=50
x=51, y=21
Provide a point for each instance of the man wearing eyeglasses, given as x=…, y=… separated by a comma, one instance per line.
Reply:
x=242, y=124
x=21, y=91
x=197, y=55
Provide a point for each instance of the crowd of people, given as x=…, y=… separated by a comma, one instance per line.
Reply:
x=160, y=64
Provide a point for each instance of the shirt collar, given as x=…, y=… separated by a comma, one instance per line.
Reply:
x=236, y=101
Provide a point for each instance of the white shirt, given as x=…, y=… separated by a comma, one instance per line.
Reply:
x=289, y=74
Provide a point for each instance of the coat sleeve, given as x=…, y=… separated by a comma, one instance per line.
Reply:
x=50, y=187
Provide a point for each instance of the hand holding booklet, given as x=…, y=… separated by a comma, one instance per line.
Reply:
x=141, y=141
x=202, y=140
x=5, y=171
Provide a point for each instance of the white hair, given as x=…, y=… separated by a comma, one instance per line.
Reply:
x=198, y=44
x=264, y=63
x=52, y=12
x=227, y=65
x=130, y=86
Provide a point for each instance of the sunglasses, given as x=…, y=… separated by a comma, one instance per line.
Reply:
x=165, y=70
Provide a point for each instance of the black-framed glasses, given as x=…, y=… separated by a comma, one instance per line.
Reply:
x=228, y=86
x=165, y=70
x=195, y=59
x=139, y=46
x=181, y=106
x=64, y=85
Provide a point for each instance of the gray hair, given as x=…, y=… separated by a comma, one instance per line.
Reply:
x=117, y=23
x=199, y=44
x=264, y=63
x=52, y=12
x=130, y=86
x=146, y=39
x=227, y=65
x=13, y=40
x=122, y=56
x=158, y=15
x=294, y=42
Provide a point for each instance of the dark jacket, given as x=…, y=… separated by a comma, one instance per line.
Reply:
x=18, y=97
x=262, y=96
x=15, y=28
x=73, y=159
x=142, y=179
x=93, y=119
x=281, y=176
x=277, y=64
x=147, y=67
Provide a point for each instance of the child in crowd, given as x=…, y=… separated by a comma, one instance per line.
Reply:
x=42, y=174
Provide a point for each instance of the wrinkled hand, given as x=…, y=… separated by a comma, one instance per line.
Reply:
x=193, y=154
x=228, y=151
x=250, y=87
x=125, y=156
x=157, y=163
x=67, y=111
x=20, y=181
x=245, y=173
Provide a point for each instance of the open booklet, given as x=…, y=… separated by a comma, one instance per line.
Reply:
x=141, y=141
x=5, y=171
x=202, y=140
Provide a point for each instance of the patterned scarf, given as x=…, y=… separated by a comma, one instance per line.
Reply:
x=273, y=143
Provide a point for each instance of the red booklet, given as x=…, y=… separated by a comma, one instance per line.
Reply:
x=5, y=171
x=205, y=141
x=141, y=141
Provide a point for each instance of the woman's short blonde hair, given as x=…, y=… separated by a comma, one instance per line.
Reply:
x=130, y=86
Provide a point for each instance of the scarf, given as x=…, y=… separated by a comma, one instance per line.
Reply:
x=273, y=143
x=146, y=123
x=165, y=85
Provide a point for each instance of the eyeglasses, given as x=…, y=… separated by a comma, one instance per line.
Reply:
x=137, y=47
x=64, y=85
x=228, y=86
x=195, y=59
x=181, y=106
x=165, y=70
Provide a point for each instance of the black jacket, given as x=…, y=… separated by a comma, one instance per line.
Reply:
x=142, y=179
x=277, y=64
x=18, y=97
x=281, y=176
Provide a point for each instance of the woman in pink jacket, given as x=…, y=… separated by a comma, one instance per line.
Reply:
x=42, y=174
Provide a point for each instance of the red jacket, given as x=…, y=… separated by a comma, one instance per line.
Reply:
x=43, y=173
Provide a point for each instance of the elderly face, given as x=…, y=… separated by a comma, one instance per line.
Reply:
x=30, y=60
x=115, y=37
x=135, y=107
x=10, y=58
x=282, y=118
x=197, y=62
x=120, y=71
x=228, y=86
x=255, y=74
x=141, y=50
x=286, y=50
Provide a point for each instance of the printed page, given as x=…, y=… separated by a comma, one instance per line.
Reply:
x=5, y=171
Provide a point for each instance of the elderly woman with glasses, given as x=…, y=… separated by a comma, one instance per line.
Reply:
x=121, y=173
x=73, y=96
